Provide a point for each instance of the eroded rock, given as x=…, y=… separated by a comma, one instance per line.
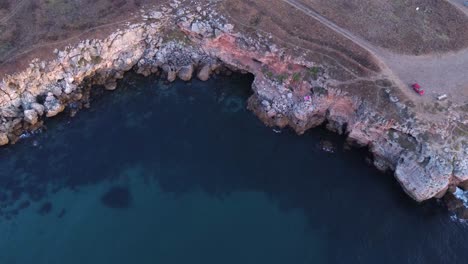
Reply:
x=53, y=106
x=4, y=139
x=204, y=73
x=185, y=72
x=31, y=116
x=38, y=108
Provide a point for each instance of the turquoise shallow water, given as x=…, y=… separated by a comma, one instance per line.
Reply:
x=182, y=173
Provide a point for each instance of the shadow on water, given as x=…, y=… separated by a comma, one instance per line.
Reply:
x=199, y=136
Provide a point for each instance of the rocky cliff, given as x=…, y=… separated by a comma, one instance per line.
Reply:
x=428, y=155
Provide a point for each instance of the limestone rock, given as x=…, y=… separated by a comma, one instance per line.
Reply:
x=185, y=73
x=197, y=28
x=4, y=139
x=69, y=88
x=30, y=116
x=56, y=90
x=201, y=28
x=204, y=73
x=155, y=15
x=9, y=111
x=27, y=99
x=53, y=106
x=300, y=113
x=38, y=108
x=171, y=75
x=229, y=27
x=110, y=86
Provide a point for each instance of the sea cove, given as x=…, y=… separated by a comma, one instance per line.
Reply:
x=183, y=173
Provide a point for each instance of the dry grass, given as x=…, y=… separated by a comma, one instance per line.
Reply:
x=30, y=23
x=396, y=24
x=291, y=27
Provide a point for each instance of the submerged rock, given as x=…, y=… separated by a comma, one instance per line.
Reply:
x=110, y=86
x=457, y=202
x=327, y=146
x=45, y=208
x=117, y=197
x=62, y=213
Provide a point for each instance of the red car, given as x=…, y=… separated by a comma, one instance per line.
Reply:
x=417, y=88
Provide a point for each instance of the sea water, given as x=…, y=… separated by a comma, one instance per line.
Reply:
x=183, y=173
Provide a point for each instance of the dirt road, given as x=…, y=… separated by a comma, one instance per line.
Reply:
x=460, y=5
x=437, y=73
x=13, y=12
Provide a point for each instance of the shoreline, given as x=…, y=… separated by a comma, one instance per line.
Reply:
x=287, y=91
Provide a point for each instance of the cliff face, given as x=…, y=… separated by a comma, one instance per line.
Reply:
x=289, y=90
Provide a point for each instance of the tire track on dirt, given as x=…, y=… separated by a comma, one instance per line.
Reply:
x=386, y=70
x=13, y=12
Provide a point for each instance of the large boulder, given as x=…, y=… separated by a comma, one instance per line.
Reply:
x=53, y=106
x=38, y=108
x=111, y=85
x=31, y=116
x=155, y=15
x=3, y=139
x=69, y=87
x=185, y=73
x=204, y=73
x=171, y=76
x=171, y=73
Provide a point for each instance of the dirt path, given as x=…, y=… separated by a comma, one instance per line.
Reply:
x=35, y=47
x=13, y=11
x=356, y=39
x=437, y=73
x=459, y=4
x=325, y=21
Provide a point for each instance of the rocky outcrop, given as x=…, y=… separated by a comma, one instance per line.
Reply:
x=185, y=73
x=288, y=91
x=31, y=116
x=401, y=141
x=4, y=139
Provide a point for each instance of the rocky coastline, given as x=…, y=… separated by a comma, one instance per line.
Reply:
x=287, y=91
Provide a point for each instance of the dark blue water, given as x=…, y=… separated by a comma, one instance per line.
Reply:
x=183, y=173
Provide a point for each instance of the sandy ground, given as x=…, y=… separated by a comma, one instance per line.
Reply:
x=437, y=74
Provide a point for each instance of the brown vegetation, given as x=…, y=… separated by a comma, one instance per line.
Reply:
x=436, y=26
x=290, y=26
x=48, y=24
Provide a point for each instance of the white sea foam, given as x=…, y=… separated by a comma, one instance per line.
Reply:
x=455, y=218
x=462, y=196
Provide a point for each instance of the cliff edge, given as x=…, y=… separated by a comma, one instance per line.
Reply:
x=310, y=69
